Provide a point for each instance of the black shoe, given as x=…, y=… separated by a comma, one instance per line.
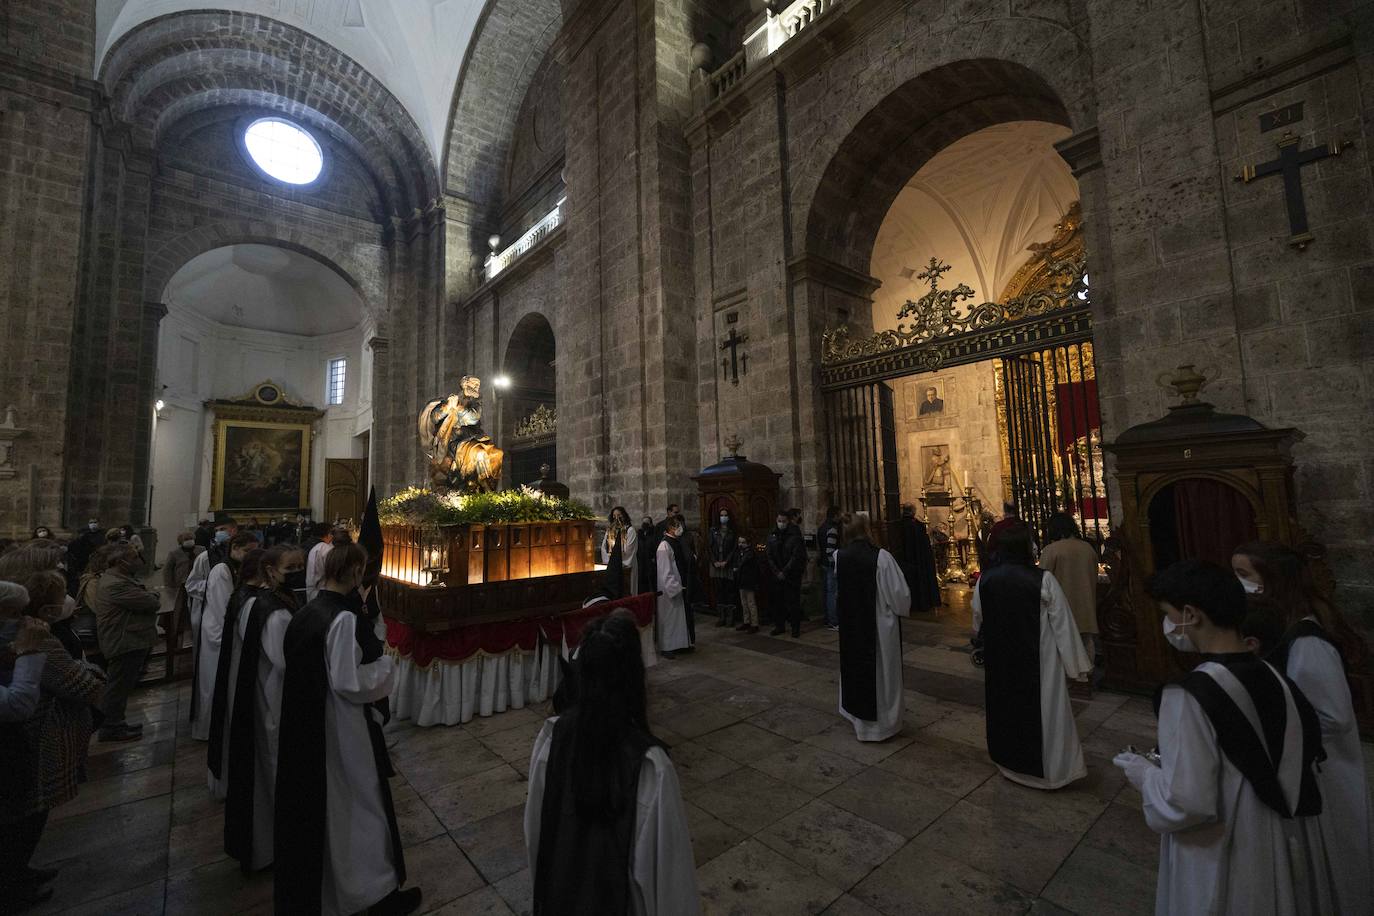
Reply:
x=122, y=733
x=777, y=631
x=397, y=903
x=743, y=626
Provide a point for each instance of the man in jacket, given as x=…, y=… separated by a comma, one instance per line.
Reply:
x=126, y=625
x=786, y=553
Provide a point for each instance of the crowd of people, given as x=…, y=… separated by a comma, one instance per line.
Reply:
x=1257, y=785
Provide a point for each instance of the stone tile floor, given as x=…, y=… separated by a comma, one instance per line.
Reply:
x=789, y=814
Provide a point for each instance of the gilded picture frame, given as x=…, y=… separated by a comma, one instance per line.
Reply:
x=261, y=460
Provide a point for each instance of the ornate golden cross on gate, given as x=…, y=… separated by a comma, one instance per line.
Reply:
x=1289, y=164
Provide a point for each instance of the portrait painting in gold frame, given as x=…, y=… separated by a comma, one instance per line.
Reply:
x=260, y=466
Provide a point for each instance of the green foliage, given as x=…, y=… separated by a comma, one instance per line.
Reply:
x=415, y=506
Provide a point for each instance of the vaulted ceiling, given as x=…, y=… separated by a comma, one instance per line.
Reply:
x=415, y=48
x=976, y=205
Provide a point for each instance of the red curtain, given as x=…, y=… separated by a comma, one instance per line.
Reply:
x=1076, y=406
x=1211, y=519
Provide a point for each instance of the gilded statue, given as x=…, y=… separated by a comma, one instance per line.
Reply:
x=461, y=456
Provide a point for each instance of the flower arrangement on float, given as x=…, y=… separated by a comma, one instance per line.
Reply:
x=420, y=506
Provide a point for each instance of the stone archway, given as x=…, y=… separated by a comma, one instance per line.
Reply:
x=529, y=402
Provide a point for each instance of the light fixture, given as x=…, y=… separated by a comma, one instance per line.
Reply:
x=160, y=404
x=501, y=382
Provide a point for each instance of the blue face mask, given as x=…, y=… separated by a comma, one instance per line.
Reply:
x=221, y=537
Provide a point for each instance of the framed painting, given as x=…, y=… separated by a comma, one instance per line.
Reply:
x=260, y=466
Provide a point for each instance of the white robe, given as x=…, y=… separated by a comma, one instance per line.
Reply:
x=1315, y=666
x=663, y=877
x=218, y=587
x=1222, y=850
x=670, y=617
x=219, y=788
x=629, y=556
x=894, y=600
x=314, y=569
x=1061, y=655
x=356, y=876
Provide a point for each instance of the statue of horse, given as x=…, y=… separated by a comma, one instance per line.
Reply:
x=461, y=456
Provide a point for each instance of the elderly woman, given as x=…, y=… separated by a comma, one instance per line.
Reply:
x=44, y=757
x=126, y=621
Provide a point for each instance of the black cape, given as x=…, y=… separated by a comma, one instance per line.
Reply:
x=219, y=704
x=1258, y=754
x=242, y=734
x=299, y=831
x=857, y=606
x=687, y=573
x=1010, y=598
x=582, y=866
x=918, y=565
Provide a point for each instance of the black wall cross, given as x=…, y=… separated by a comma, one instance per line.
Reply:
x=1289, y=164
x=735, y=365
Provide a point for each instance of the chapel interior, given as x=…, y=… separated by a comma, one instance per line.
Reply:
x=943, y=256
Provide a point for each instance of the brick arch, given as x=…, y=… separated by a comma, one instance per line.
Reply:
x=528, y=324
x=507, y=47
x=172, y=66
x=163, y=264
x=869, y=136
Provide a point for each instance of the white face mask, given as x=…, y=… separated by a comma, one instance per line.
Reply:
x=782, y=526
x=1251, y=586
x=725, y=519
x=188, y=544
x=1178, y=639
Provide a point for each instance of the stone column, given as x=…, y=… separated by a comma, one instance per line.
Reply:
x=381, y=463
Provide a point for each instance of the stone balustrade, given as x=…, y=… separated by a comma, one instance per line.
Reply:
x=533, y=236
x=770, y=33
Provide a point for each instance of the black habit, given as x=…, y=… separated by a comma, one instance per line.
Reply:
x=856, y=565
x=1010, y=596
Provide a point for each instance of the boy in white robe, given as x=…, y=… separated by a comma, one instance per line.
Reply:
x=1030, y=645
x=670, y=618
x=219, y=588
x=1233, y=793
x=872, y=594
x=336, y=842
x=605, y=827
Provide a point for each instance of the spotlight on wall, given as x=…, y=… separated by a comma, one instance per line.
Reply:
x=160, y=404
x=501, y=382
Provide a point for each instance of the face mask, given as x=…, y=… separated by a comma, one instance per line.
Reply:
x=188, y=544
x=92, y=527
x=782, y=526
x=1251, y=587
x=221, y=537
x=43, y=535
x=295, y=580
x=1179, y=640
x=725, y=519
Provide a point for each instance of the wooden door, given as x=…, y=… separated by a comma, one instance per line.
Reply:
x=345, y=488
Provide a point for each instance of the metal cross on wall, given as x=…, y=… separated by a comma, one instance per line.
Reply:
x=1289, y=164
x=737, y=364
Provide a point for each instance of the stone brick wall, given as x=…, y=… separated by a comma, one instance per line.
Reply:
x=46, y=52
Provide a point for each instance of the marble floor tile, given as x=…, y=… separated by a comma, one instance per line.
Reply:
x=838, y=846
x=697, y=764
x=1018, y=853
x=416, y=821
x=1069, y=810
x=890, y=801
x=918, y=881
x=699, y=718
x=439, y=868
x=442, y=765
x=839, y=739
x=131, y=759
x=848, y=905
x=710, y=835
x=477, y=797
x=1123, y=832
x=808, y=768
x=496, y=844
x=219, y=889
x=483, y=902
x=195, y=844
x=1097, y=882
x=751, y=878
x=193, y=804
x=965, y=726
x=744, y=743
x=138, y=901
x=747, y=800
x=793, y=721
x=482, y=726
x=517, y=892
x=116, y=790
x=514, y=745
x=107, y=851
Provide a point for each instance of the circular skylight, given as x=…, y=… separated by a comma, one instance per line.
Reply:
x=283, y=150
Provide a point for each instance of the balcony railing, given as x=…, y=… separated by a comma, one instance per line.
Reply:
x=533, y=236
x=774, y=31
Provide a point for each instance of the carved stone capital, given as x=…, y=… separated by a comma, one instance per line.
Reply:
x=154, y=312
x=1082, y=151
x=378, y=344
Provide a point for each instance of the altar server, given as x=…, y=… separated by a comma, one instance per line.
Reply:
x=605, y=827
x=252, y=731
x=314, y=563
x=227, y=671
x=219, y=588
x=872, y=594
x=670, y=620
x=1308, y=653
x=337, y=845
x=1030, y=643
x=1234, y=793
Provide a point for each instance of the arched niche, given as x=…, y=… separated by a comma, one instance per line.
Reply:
x=529, y=405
